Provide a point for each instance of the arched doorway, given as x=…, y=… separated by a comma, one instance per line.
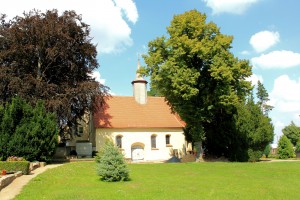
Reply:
x=137, y=151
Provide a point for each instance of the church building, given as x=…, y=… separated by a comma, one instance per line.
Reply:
x=144, y=128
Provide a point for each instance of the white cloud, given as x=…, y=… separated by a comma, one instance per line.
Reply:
x=277, y=59
x=263, y=40
x=108, y=18
x=245, y=52
x=255, y=78
x=229, y=6
x=97, y=76
x=129, y=8
x=278, y=126
x=285, y=94
x=285, y=98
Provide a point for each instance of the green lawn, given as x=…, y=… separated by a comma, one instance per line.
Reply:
x=278, y=180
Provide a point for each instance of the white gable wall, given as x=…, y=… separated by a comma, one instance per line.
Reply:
x=142, y=137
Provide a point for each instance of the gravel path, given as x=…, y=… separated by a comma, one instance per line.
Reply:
x=13, y=189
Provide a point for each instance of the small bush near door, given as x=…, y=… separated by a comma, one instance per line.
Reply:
x=111, y=163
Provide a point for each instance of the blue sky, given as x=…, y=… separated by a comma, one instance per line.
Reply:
x=266, y=32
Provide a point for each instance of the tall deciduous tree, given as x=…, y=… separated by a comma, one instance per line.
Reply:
x=292, y=132
x=50, y=57
x=200, y=78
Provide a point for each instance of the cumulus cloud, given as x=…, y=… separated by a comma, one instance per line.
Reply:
x=109, y=19
x=285, y=98
x=229, y=6
x=285, y=94
x=254, y=78
x=277, y=59
x=97, y=76
x=263, y=40
x=129, y=8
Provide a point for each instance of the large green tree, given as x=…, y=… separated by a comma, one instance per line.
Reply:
x=254, y=131
x=194, y=69
x=285, y=148
x=27, y=131
x=292, y=132
x=50, y=57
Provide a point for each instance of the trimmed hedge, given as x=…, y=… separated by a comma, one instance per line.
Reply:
x=15, y=166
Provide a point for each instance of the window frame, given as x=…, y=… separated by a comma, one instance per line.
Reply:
x=168, y=140
x=153, y=141
x=119, y=141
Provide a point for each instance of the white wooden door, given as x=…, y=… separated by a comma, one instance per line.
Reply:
x=137, y=153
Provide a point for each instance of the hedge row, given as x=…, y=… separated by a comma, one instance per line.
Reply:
x=15, y=166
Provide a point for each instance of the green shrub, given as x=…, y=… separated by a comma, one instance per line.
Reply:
x=13, y=166
x=26, y=131
x=267, y=150
x=285, y=148
x=254, y=155
x=111, y=163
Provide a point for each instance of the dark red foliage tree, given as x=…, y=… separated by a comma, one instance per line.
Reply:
x=50, y=57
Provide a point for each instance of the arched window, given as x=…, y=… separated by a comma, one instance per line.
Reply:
x=153, y=141
x=119, y=141
x=168, y=139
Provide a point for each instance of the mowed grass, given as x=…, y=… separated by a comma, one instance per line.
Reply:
x=215, y=180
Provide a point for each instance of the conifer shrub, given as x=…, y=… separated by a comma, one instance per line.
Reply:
x=27, y=131
x=285, y=148
x=112, y=166
x=267, y=150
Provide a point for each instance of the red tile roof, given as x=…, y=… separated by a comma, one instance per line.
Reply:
x=125, y=112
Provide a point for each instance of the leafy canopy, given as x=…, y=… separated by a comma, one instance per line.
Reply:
x=292, y=132
x=285, y=148
x=50, y=57
x=195, y=71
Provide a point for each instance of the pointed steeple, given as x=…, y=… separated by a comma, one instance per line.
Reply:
x=138, y=76
x=139, y=86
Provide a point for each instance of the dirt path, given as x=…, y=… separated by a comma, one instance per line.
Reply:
x=13, y=189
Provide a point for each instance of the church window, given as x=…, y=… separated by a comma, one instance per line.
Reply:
x=153, y=141
x=168, y=137
x=119, y=141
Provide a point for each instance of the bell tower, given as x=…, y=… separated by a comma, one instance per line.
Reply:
x=139, y=87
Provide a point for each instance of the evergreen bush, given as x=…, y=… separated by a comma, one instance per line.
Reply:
x=254, y=155
x=285, y=148
x=112, y=166
x=267, y=150
x=26, y=131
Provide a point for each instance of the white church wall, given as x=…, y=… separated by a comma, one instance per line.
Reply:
x=142, y=137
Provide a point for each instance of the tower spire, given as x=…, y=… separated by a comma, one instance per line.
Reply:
x=139, y=86
x=138, y=75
